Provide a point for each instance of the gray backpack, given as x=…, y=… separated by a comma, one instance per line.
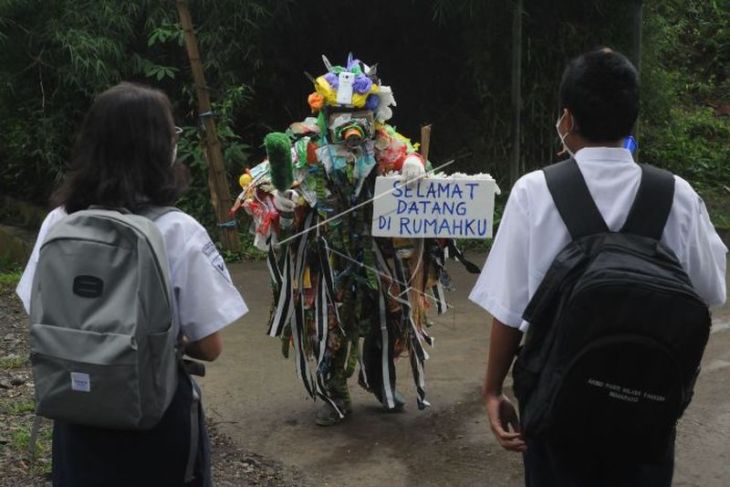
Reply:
x=103, y=348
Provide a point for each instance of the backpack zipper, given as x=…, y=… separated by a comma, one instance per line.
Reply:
x=631, y=277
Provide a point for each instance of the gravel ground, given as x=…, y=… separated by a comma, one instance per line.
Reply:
x=232, y=464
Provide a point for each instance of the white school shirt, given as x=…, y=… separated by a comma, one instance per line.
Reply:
x=532, y=233
x=205, y=299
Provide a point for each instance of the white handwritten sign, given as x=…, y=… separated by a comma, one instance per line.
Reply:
x=445, y=207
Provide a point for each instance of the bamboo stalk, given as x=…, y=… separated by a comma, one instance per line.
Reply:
x=425, y=140
x=637, y=17
x=418, y=274
x=514, y=172
x=217, y=180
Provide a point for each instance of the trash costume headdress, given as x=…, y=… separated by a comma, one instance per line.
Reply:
x=334, y=284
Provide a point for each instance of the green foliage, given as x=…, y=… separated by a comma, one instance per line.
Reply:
x=694, y=145
x=449, y=65
x=166, y=32
x=58, y=55
x=7, y=266
x=717, y=201
x=247, y=252
x=686, y=80
x=191, y=153
x=10, y=273
x=691, y=44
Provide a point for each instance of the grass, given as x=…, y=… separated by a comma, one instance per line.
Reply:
x=10, y=362
x=19, y=442
x=9, y=279
x=17, y=411
x=17, y=415
x=20, y=439
x=17, y=407
x=10, y=273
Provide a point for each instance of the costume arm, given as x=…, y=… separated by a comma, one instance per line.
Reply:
x=413, y=167
x=267, y=194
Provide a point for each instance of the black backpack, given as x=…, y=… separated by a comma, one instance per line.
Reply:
x=616, y=331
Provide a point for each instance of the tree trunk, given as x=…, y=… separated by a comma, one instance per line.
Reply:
x=637, y=15
x=217, y=179
x=425, y=141
x=514, y=172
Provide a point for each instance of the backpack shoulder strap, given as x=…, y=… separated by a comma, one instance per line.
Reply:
x=573, y=200
x=652, y=204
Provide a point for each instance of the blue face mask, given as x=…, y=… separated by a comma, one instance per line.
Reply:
x=630, y=144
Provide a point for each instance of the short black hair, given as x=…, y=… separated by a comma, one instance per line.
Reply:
x=601, y=90
x=123, y=153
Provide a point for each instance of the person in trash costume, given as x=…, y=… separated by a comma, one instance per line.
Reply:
x=343, y=298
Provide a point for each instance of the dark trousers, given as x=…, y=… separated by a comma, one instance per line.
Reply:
x=549, y=466
x=84, y=456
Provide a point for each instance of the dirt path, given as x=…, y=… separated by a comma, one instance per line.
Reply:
x=254, y=395
x=262, y=421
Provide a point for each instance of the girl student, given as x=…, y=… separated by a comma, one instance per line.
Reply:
x=124, y=157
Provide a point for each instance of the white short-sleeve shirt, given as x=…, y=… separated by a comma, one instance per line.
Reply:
x=205, y=299
x=532, y=233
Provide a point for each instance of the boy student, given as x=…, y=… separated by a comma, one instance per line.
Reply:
x=599, y=100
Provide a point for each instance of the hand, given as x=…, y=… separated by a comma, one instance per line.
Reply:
x=504, y=422
x=412, y=169
x=236, y=206
x=284, y=200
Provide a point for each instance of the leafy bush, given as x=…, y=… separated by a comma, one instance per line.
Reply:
x=449, y=64
x=693, y=144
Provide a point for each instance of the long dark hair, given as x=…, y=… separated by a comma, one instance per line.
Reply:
x=123, y=153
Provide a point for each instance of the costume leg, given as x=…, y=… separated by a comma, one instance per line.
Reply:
x=378, y=369
x=335, y=381
x=336, y=385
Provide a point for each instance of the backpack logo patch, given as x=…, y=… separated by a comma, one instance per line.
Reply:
x=88, y=286
x=80, y=382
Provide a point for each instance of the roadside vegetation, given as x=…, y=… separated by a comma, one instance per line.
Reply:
x=17, y=404
x=449, y=65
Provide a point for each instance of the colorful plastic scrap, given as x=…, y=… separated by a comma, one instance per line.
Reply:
x=344, y=300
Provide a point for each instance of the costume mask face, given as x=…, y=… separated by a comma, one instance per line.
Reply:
x=351, y=128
